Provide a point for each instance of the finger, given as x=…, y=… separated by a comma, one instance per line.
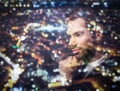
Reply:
x=75, y=62
x=70, y=61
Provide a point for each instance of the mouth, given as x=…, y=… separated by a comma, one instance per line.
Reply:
x=75, y=51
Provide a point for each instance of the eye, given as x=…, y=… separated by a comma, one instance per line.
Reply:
x=68, y=36
x=78, y=34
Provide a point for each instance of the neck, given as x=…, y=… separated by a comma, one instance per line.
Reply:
x=96, y=56
x=88, y=59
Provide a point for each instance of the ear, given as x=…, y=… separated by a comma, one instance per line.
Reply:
x=98, y=29
x=98, y=36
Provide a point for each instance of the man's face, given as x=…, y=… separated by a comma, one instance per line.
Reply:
x=80, y=37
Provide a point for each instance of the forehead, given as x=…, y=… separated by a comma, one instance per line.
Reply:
x=76, y=25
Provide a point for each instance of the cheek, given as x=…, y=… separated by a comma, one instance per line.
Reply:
x=83, y=41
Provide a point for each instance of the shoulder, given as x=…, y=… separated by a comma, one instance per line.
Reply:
x=105, y=75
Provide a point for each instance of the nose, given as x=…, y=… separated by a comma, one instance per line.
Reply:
x=72, y=41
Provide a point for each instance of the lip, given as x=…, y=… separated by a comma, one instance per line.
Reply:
x=75, y=51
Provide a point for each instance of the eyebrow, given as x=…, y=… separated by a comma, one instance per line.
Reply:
x=79, y=32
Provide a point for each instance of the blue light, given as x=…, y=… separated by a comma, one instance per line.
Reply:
x=105, y=4
x=113, y=86
x=52, y=4
x=36, y=5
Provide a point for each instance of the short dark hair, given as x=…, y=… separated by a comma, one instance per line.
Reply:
x=85, y=13
x=88, y=15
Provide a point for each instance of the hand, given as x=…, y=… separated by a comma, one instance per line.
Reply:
x=67, y=66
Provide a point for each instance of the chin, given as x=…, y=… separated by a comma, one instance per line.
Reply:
x=78, y=56
x=85, y=54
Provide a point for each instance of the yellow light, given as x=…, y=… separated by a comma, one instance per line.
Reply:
x=15, y=28
x=104, y=74
x=98, y=69
x=109, y=50
x=44, y=35
x=113, y=74
x=99, y=48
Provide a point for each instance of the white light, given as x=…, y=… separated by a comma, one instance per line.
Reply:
x=56, y=70
x=115, y=37
x=6, y=5
x=79, y=70
x=116, y=78
x=18, y=50
x=118, y=70
x=96, y=3
x=20, y=5
x=85, y=70
x=31, y=79
x=97, y=89
x=1, y=62
x=116, y=63
x=24, y=5
x=14, y=9
x=23, y=38
x=28, y=5
x=53, y=34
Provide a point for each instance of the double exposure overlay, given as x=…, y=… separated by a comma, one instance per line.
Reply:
x=34, y=40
